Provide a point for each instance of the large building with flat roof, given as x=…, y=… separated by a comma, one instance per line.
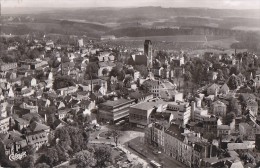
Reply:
x=113, y=111
x=139, y=115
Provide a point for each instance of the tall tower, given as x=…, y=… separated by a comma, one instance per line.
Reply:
x=148, y=52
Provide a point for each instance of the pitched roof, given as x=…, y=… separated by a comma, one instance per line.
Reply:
x=214, y=86
x=58, y=122
x=85, y=102
x=35, y=127
x=224, y=87
x=175, y=131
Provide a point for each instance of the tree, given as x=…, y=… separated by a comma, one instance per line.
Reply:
x=30, y=150
x=121, y=75
x=34, y=54
x=177, y=73
x=145, y=87
x=233, y=82
x=234, y=106
x=127, y=80
x=234, y=70
x=142, y=69
x=62, y=82
x=36, y=119
x=116, y=135
x=28, y=162
x=130, y=71
x=103, y=156
x=91, y=71
x=84, y=159
x=187, y=76
x=230, y=117
x=114, y=72
x=105, y=71
x=220, y=75
x=96, y=88
x=51, y=157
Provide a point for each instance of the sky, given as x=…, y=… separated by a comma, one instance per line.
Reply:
x=226, y=4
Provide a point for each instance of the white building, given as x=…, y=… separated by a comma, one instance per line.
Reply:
x=180, y=110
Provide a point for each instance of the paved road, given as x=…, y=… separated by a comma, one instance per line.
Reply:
x=130, y=135
x=130, y=155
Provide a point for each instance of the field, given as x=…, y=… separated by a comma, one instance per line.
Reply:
x=185, y=42
x=176, y=39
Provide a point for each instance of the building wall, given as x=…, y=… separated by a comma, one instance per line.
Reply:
x=139, y=116
x=4, y=125
x=219, y=109
x=6, y=67
x=108, y=113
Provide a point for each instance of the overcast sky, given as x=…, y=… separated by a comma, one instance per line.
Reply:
x=230, y=4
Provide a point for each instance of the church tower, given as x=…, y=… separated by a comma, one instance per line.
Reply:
x=148, y=52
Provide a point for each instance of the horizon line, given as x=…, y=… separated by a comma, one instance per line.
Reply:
x=125, y=7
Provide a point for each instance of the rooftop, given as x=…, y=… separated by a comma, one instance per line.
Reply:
x=117, y=102
x=149, y=105
x=175, y=131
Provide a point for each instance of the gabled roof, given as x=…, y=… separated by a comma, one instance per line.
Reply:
x=214, y=86
x=85, y=102
x=58, y=122
x=176, y=131
x=224, y=87
x=35, y=127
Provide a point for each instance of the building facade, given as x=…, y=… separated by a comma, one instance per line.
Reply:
x=115, y=110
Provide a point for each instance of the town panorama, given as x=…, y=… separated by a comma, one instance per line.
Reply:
x=114, y=84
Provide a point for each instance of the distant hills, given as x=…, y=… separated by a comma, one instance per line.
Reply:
x=136, y=22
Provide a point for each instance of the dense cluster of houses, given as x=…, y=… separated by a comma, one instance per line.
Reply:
x=193, y=130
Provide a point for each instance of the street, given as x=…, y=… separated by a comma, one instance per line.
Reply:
x=132, y=136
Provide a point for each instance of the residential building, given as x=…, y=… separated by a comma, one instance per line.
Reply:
x=87, y=104
x=62, y=113
x=219, y=108
x=4, y=124
x=37, y=134
x=8, y=66
x=113, y=111
x=177, y=145
x=248, y=131
x=223, y=130
x=213, y=89
x=141, y=97
x=21, y=124
x=177, y=61
x=105, y=65
x=163, y=89
x=157, y=136
x=224, y=89
x=106, y=56
x=67, y=90
x=86, y=86
x=180, y=110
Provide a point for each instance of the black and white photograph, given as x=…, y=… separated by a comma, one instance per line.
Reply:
x=129, y=84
